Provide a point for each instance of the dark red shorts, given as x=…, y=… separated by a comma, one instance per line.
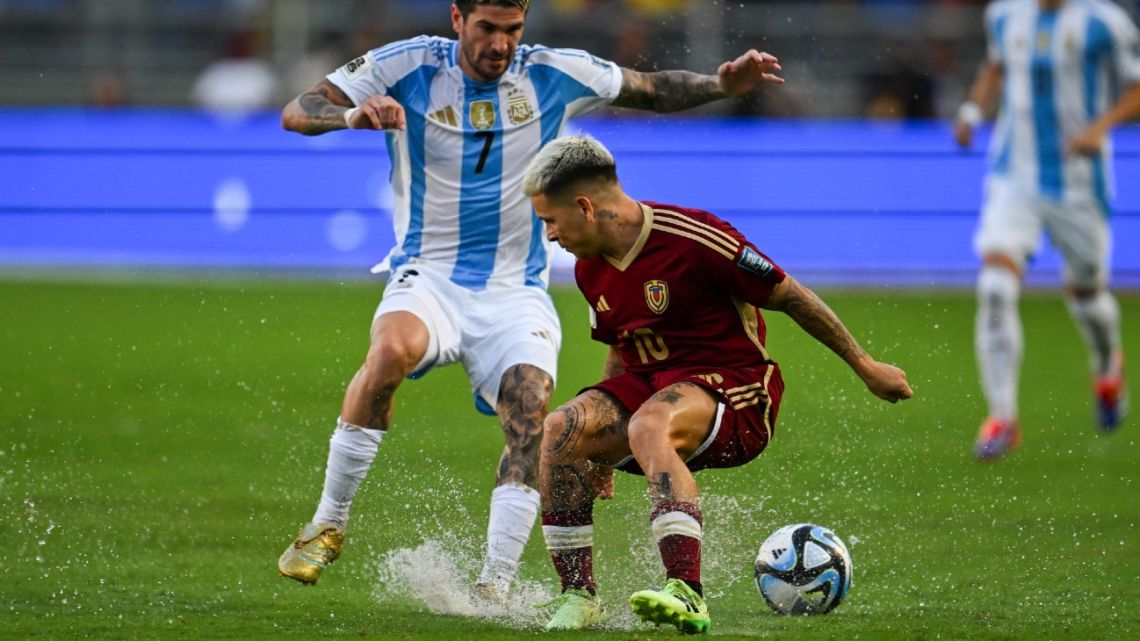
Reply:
x=746, y=415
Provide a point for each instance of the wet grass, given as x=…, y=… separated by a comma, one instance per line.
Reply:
x=160, y=442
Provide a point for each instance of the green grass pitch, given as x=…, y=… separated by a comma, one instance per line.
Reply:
x=162, y=441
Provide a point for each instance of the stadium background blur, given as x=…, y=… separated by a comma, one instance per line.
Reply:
x=182, y=96
x=848, y=58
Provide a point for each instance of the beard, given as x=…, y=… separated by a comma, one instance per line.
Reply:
x=487, y=67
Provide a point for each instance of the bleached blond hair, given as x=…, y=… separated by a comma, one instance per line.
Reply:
x=567, y=161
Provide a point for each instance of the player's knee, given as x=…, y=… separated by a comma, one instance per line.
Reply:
x=389, y=361
x=1082, y=292
x=525, y=390
x=558, y=443
x=648, y=433
x=998, y=285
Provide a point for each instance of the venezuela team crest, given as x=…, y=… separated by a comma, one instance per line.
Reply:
x=657, y=295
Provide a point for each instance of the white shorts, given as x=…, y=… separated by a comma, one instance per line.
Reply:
x=488, y=331
x=1013, y=218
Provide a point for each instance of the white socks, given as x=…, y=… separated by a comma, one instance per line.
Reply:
x=351, y=451
x=998, y=339
x=1098, y=318
x=514, y=508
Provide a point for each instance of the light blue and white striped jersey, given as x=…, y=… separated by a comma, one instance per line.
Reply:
x=1062, y=69
x=457, y=168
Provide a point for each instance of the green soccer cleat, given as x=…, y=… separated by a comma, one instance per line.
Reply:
x=574, y=609
x=312, y=551
x=676, y=604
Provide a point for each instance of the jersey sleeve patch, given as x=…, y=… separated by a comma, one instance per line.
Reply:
x=751, y=261
x=356, y=68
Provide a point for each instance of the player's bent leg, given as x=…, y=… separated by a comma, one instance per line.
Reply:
x=399, y=341
x=1097, y=315
x=588, y=425
x=665, y=431
x=591, y=426
x=998, y=345
x=524, y=395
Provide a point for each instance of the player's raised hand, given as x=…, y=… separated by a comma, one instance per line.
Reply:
x=747, y=72
x=887, y=382
x=378, y=112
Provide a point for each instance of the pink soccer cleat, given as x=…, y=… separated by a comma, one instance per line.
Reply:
x=996, y=438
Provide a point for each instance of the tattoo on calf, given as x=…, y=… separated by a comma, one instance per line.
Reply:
x=570, y=488
x=661, y=488
x=382, y=408
x=525, y=392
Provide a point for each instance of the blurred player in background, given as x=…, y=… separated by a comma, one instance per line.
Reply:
x=468, y=275
x=1067, y=72
x=687, y=385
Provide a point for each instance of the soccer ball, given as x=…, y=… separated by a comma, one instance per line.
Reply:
x=803, y=569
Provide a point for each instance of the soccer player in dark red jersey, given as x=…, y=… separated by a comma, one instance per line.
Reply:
x=688, y=384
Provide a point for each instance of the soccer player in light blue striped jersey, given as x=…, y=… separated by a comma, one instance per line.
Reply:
x=462, y=119
x=1067, y=71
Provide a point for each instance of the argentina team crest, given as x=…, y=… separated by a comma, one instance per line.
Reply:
x=518, y=108
x=482, y=114
x=657, y=295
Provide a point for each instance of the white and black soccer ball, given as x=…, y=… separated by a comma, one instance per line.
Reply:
x=803, y=569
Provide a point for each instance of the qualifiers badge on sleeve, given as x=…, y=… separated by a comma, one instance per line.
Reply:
x=356, y=68
x=751, y=261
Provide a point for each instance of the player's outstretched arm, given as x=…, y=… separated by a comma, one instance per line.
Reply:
x=816, y=318
x=666, y=91
x=326, y=108
x=319, y=110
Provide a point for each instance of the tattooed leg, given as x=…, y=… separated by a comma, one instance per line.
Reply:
x=665, y=430
x=581, y=437
x=524, y=395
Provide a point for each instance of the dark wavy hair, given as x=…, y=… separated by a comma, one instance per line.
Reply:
x=466, y=6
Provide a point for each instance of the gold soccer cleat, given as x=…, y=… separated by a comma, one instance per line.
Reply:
x=312, y=551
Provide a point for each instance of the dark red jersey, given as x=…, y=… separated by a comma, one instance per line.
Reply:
x=686, y=295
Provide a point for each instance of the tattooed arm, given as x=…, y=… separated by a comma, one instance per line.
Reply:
x=816, y=318
x=666, y=91
x=317, y=111
x=324, y=107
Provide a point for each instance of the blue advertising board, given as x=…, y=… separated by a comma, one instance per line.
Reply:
x=837, y=202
